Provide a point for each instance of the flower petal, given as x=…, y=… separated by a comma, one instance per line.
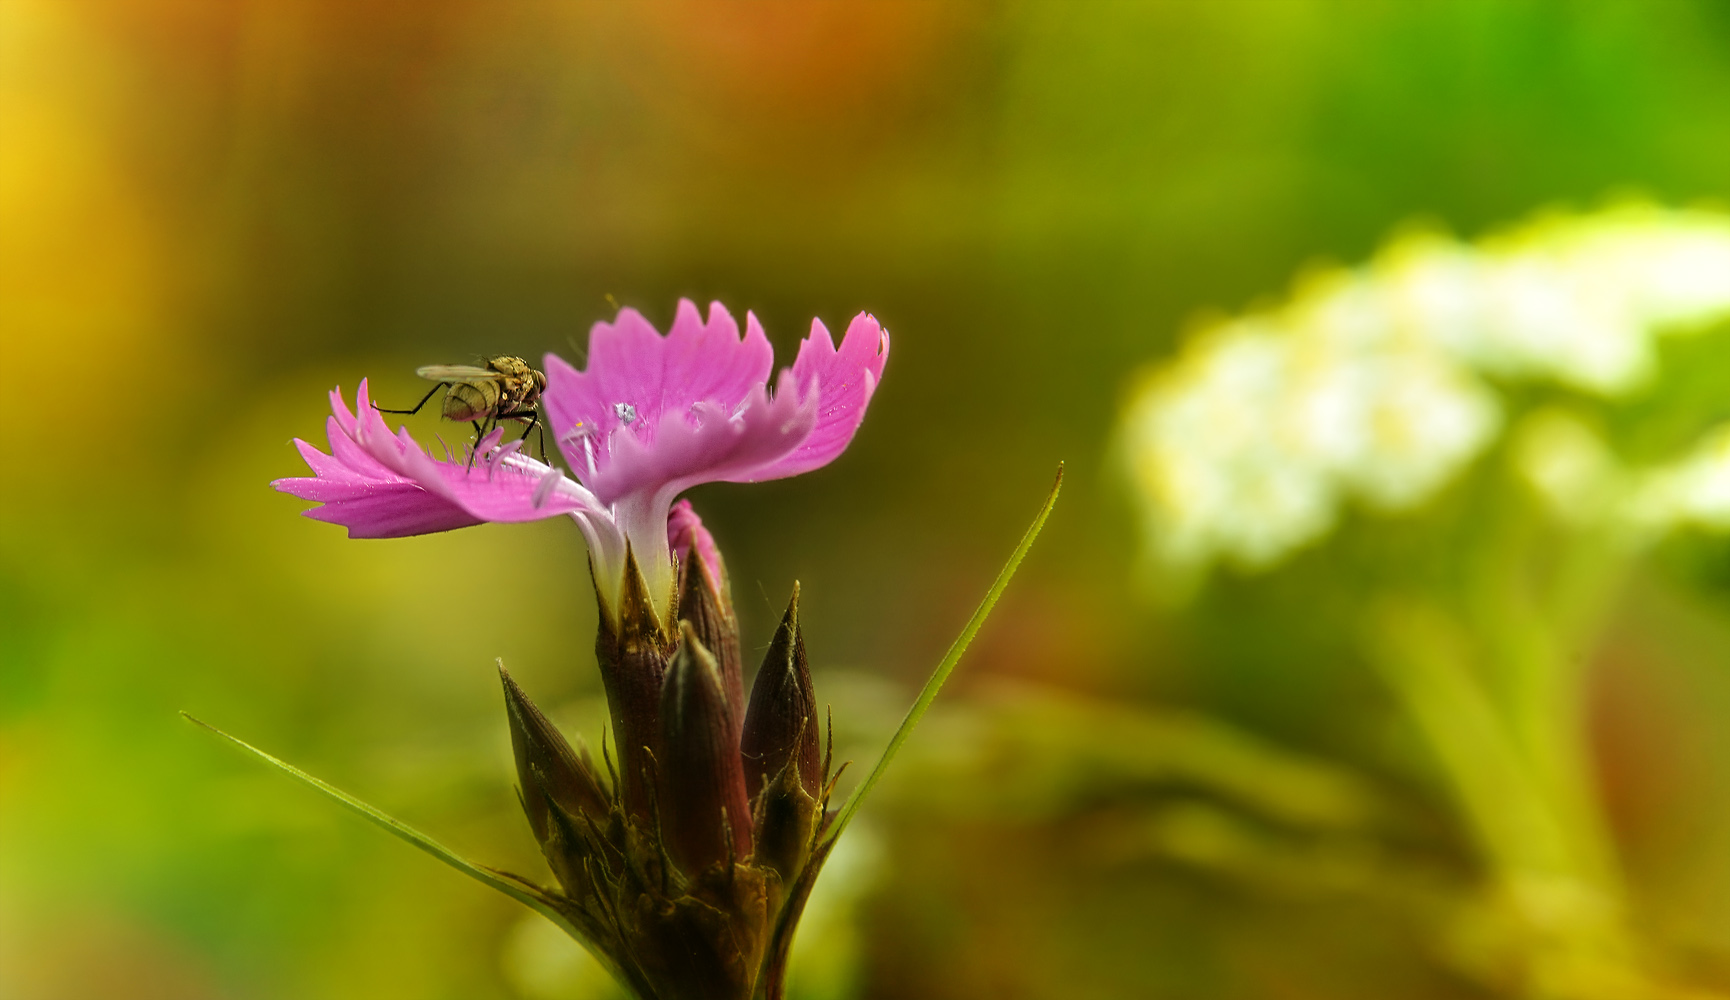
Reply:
x=388, y=510
x=508, y=487
x=497, y=484
x=641, y=480
x=635, y=377
x=843, y=380
x=710, y=445
x=368, y=499
x=382, y=485
x=361, y=493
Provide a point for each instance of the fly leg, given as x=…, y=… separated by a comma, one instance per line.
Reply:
x=417, y=406
x=476, y=450
x=533, y=422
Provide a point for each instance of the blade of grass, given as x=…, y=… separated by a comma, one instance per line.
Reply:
x=944, y=667
x=522, y=892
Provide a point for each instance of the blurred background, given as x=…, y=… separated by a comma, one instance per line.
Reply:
x=1467, y=742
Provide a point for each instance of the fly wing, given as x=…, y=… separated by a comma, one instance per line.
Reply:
x=456, y=373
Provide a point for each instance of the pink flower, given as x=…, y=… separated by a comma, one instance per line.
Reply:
x=651, y=417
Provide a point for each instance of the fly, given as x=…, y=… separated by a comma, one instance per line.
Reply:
x=506, y=389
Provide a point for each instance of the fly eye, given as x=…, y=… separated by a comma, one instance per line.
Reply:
x=626, y=413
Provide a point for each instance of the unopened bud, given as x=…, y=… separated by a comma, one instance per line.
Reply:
x=632, y=652
x=547, y=767
x=705, y=599
x=705, y=816
x=781, y=725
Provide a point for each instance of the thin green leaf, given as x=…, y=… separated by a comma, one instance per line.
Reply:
x=945, y=667
x=521, y=891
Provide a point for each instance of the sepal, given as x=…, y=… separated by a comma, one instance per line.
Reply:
x=548, y=769
x=781, y=725
x=705, y=815
x=706, y=601
x=632, y=648
x=787, y=820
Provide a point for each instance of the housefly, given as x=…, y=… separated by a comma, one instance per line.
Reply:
x=506, y=389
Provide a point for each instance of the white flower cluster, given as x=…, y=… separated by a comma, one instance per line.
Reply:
x=1574, y=470
x=1370, y=383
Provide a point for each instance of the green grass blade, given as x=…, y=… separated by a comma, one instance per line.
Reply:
x=945, y=667
x=522, y=892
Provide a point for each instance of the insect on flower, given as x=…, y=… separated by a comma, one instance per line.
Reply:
x=506, y=389
x=653, y=415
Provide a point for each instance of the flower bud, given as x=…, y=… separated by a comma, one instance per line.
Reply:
x=781, y=726
x=705, y=600
x=632, y=650
x=705, y=817
x=547, y=767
